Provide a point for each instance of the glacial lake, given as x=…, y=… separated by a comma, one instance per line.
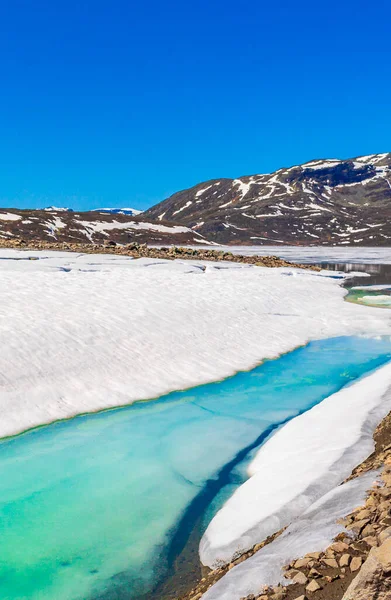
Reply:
x=99, y=507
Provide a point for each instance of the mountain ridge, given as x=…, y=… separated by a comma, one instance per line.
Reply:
x=324, y=201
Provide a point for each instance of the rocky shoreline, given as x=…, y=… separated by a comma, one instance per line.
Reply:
x=136, y=250
x=356, y=566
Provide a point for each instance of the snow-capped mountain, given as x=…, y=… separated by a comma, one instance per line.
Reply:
x=92, y=227
x=320, y=202
x=119, y=211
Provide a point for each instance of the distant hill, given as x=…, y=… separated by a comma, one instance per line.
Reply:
x=64, y=225
x=327, y=201
x=119, y=211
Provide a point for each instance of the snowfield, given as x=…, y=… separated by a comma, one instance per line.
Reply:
x=317, y=454
x=86, y=332
x=313, y=531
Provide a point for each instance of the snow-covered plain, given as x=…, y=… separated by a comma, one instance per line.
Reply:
x=312, y=532
x=86, y=332
x=317, y=455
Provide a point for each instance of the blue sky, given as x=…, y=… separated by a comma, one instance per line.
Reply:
x=124, y=103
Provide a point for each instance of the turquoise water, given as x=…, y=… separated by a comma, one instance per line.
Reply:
x=369, y=296
x=98, y=506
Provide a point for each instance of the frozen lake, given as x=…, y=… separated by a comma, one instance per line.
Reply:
x=99, y=506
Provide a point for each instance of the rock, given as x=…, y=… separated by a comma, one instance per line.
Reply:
x=368, y=530
x=300, y=578
x=301, y=598
x=339, y=547
x=371, y=541
x=330, y=562
x=314, y=555
x=355, y=563
x=384, y=535
x=313, y=586
x=290, y=573
x=357, y=526
x=373, y=581
x=302, y=563
x=363, y=514
x=313, y=574
x=330, y=578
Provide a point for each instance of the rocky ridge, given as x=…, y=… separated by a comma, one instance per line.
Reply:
x=356, y=566
x=136, y=250
x=322, y=202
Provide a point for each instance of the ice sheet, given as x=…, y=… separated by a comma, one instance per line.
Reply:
x=86, y=332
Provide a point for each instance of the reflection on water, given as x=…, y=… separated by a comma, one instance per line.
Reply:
x=374, y=290
x=379, y=273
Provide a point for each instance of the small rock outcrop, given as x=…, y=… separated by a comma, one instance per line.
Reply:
x=374, y=579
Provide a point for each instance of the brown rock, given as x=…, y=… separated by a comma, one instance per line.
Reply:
x=313, y=574
x=371, y=541
x=373, y=581
x=300, y=578
x=339, y=547
x=302, y=563
x=314, y=555
x=363, y=514
x=344, y=561
x=355, y=563
x=290, y=573
x=301, y=598
x=368, y=530
x=357, y=526
x=313, y=586
x=384, y=535
x=330, y=562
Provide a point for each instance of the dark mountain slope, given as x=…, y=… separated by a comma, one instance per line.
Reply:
x=320, y=202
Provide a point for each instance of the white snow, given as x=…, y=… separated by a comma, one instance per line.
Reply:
x=54, y=225
x=124, y=210
x=86, y=332
x=9, y=217
x=103, y=226
x=312, y=532
x=298, y=465
x=200, y=192
x=321, y=164
x=243, y=187
x=56, y=209
x=372, y=158
x=183, y=207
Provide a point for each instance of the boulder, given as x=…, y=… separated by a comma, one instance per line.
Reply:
x=373, y=581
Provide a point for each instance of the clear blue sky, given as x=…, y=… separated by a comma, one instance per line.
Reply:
x=123, y=103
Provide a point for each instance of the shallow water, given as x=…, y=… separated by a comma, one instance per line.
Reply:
x=99, y=506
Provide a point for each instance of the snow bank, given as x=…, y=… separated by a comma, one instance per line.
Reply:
x=299, y=464
x=86, y=332
x=313, y=531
